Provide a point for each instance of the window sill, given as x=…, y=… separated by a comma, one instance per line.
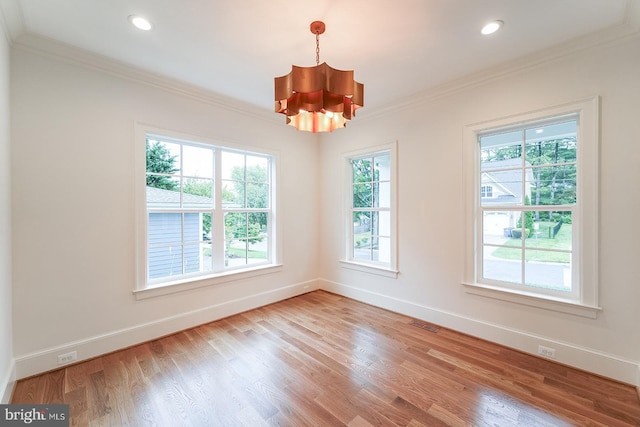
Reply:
x=202, y=281
x=533, y=300
x=370, y=268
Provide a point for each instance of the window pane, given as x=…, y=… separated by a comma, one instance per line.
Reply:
x=382, y=222
x=551, y=231
x=382, y=194
x=555, y=185
x=206, y=226
x=257, y=251
x=235, y=225
x=197, y=161
x=547, y=275
x=192, y=258
x=158, y=198
x=382, y=250
x=257, y=169
x=497, y=226
x=503, y=264
x=164, y=228
x=192, y=230
x=362, y=247
x=163, y=157
x=382, y=169
x=206, y=257
x=506, y=184
x=503, y=149
x=362, y=170
x=361, y=223
x=236, y=253
x=551, y=144
x=233, y=194
x=198, y=193
x=232, y=165
x=257, y=195
x=164, y=261
x=363, y=195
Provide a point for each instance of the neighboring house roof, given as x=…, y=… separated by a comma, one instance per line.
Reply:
x=506, y=175
x=161, y=198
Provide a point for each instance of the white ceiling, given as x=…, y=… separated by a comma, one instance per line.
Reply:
x=396, y=48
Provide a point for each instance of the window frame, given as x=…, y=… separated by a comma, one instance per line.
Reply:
x=146, y=288
x=585, y=234
x=374, y=267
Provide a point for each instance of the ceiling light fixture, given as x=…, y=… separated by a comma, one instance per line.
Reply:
x=140, y=22
x=320, y=98
x=491, y=27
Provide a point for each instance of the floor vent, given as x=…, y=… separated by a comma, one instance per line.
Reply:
x=426, y=326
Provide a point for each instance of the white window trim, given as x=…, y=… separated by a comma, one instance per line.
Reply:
x=381, y=269
x=587, y=233
x=142, y=289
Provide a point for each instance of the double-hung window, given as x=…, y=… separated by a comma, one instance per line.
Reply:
x=532, y=201
x=208, y=211
x=371, y=217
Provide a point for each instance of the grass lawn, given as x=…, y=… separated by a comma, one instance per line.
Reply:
x=562, y=241
x=239, y=253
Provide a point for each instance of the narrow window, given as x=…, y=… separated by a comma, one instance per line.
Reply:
x=371, y=236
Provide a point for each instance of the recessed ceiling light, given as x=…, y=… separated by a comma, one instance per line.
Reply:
x=140, y=22
x=491, y=27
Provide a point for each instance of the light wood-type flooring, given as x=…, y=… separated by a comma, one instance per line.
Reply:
x=320, y=359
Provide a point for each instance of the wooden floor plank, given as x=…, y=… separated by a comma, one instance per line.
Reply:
x=325, y=360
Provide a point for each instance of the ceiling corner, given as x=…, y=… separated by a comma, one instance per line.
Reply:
x=11, y=19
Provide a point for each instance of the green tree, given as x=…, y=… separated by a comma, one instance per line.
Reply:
x=250, y=189
x=553, y=167
x=160, y=161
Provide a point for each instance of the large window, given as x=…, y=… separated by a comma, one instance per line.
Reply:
x=532, y=200
x=527, y=226
x=371, y=205
x=208, y=211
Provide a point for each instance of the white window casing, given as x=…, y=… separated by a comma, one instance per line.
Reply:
x=583, y=299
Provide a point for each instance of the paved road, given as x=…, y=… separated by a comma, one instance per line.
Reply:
x=542, y=274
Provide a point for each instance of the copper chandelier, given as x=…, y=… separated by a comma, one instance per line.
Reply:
x=320, y=98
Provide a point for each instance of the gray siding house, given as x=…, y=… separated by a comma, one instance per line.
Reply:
x=174, y=243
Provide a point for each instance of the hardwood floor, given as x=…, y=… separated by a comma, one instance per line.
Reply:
x=324, y=360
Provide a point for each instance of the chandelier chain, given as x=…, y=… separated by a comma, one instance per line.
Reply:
x=317, y=49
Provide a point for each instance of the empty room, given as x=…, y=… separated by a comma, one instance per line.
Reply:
x=323, y=213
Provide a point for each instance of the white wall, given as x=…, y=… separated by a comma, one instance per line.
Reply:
x=6, y=339
x=73, y=209
x=431, y=208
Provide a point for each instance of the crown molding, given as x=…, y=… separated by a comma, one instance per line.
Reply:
x=58, y=51
x=628, y=29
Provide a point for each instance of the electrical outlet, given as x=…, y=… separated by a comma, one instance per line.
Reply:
x=63, y=359
x=547, y=351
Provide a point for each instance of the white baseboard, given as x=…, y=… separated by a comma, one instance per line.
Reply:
x=590, y=360
x=7, y=384
x=45, y=360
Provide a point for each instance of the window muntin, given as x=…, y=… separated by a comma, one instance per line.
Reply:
x=527, y=226
x=370, y=209
x=208, y=210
